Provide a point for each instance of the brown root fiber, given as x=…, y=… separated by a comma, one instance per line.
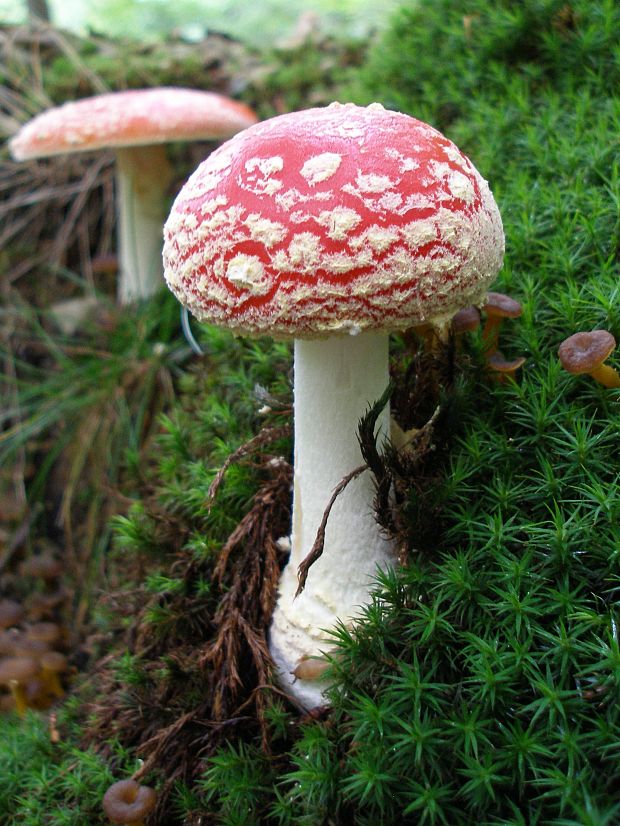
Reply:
x=201, y=673
x=198, y=679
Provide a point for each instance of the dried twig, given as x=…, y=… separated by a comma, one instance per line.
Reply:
x=319, y=543
x=266, y=436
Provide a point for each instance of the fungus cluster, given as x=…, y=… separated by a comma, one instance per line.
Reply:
x=30, y=668
x=332, y=227
x=135, y=124
x=30, y=662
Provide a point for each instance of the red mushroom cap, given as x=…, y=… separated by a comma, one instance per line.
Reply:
x=333, y=220
x=134, y=118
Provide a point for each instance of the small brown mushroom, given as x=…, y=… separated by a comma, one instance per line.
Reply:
x=15, y=672
x=42, y=605
x=8, y=640
x=128, y=802
x=42, y=566
x=466, y=321
x=37, y=696
x=26, y=647
x=497, y=307
x=586, y=352
x=11, y=613
x=46, y=632
x=53, y=663
x=504, y=369
x=310, y=668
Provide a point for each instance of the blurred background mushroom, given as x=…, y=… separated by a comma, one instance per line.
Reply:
x=135, y=124
x=15, y=672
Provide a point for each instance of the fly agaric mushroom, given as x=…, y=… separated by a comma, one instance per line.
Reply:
x=586, y=352
x=136, y=124
x=332, y=226
x=126, y=801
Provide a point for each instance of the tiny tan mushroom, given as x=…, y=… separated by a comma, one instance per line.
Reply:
x=11, y=613
x=15, y=672
x=586, y=352
x=46, y=632
x=504, y=369
x=126, y=801
x=53, y=663
x=497, y=307
x=42, y=566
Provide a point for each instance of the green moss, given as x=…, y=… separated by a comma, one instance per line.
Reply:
x=483, y=684
x=59, y=783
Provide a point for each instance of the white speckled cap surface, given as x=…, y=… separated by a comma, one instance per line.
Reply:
x=134, y=118
x=333, y=220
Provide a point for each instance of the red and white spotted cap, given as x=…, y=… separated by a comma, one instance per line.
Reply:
x=333, y=220
x=134, y=118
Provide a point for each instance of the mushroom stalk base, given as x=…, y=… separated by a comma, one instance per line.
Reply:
x=335, y=382
x=143, y=175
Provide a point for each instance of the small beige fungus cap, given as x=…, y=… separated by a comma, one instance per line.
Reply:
x=42, y=566
x=497, y=307
x=54, y=661
x=500, y=305
x=504, y=368
x=15, y=672
x=585, y=353
x=26, y=647
x=466, y=320
x=137, y=117
x=52, y=664
x=46, y=632
x=126, y=801
x=11, y=613
x=18, y=669
x=8, y=640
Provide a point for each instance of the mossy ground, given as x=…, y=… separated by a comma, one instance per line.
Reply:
x=483, y=683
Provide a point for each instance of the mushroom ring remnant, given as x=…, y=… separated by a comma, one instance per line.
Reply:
x=333, y=227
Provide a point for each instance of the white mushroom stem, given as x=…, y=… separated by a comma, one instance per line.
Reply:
x=143, y=175
x=335, y=382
